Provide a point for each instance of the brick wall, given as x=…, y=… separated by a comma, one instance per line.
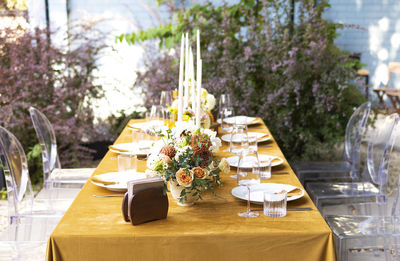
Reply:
x=379, y=39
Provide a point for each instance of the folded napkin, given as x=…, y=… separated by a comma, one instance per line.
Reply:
x=293, y=192
x=263, y=137
x=71, y=174
x=102, y=181
x=118, y=149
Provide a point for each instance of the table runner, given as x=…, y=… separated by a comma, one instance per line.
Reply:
x=94, y=229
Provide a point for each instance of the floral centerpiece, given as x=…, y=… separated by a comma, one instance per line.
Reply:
x=207, y=104
x=184, y=159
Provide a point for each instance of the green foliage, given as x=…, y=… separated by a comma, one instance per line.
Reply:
x=290, y=74
x=118, y=122
x=3, y=194
x=34, y=157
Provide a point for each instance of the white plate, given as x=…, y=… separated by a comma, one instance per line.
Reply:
x=233, y=120
x=248, y=160
x=149, y=125
x=134, y=148
x=121, y=177
x=257, y=191
x=238, y=137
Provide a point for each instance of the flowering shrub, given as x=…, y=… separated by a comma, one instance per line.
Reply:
x=33, y=72
x=185, y=156
x=289, y=73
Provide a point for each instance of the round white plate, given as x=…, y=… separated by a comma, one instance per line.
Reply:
x=134, y=148
x=121, y=177
x=248, y=160
x=238, y=137
x=257, y=191
x=233, y=120
x=150, y=125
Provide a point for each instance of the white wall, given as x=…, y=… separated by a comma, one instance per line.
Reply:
x=379, y=39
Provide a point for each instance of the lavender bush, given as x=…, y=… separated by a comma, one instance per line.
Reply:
x=58, y=81
x=290, y=74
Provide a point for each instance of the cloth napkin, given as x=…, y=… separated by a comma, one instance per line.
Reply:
x=102, y=181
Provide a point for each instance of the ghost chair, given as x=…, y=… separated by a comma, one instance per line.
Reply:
x=349, y=167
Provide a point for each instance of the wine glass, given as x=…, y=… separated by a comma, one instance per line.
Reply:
x=224, y=101
x=156, y=113
x=227, y=121
x=239, y=143
x=166, y=99
x=248, y=176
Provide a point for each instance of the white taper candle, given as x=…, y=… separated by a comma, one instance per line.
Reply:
x=180, y=90
x=192, y=81
x=198, y=116
x=186, y=97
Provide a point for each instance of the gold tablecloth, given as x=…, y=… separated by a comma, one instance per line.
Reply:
x=94, y=229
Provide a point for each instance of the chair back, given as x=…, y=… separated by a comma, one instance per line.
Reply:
x=380, y=149
x=354, y=132
x=15, y=168
x=47, y=140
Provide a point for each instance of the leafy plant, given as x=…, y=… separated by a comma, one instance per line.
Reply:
x=288, y=72
x=57, y=80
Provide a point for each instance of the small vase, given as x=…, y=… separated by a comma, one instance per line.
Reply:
x=176, y=194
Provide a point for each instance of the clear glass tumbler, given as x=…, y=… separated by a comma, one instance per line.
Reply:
x=127, y=162
x=265, y=168
x=275, y=204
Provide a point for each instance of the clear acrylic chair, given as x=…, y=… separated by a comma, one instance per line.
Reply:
x=367, y=237
x=325, y=194
x=350, y=165
x=382, y=175
x=30, y=221
x=53, y=175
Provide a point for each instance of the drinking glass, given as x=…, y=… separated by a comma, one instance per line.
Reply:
x=265, y=168
x=127, y=162
x=275, y=204
x=157, y=113
x=226, y=126
x=247, y=176
x=224, y=102
x=166, y=99
x=239, y=142
x=253, y=141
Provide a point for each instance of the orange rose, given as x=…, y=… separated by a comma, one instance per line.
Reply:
x=200, y=173
x=164, y=158
x=184, y=177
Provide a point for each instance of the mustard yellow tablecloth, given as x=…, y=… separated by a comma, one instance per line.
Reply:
x=94, y=229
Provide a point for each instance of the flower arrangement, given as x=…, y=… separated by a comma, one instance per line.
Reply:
x=208, y=103
x=184, y=158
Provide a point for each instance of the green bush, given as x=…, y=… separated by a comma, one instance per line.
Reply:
x=289, y=73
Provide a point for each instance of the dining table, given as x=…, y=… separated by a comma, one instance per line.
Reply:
x=93, y=228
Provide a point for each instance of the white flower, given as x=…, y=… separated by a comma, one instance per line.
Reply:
x=175, y=104
x=224, y=166
x=150, y=173
x=210, y=133
x=210, y=101
x=151, y=160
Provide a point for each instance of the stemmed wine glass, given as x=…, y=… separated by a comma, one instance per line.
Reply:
x=224, y=102
x=239, y=143
x=226, y=119
x=165, y=103
x=248, y=175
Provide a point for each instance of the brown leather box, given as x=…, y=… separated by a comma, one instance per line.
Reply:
x=145, y=201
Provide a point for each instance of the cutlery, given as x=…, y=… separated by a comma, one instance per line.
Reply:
x=106, y=196
x=279, y=173
x=288, y=209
